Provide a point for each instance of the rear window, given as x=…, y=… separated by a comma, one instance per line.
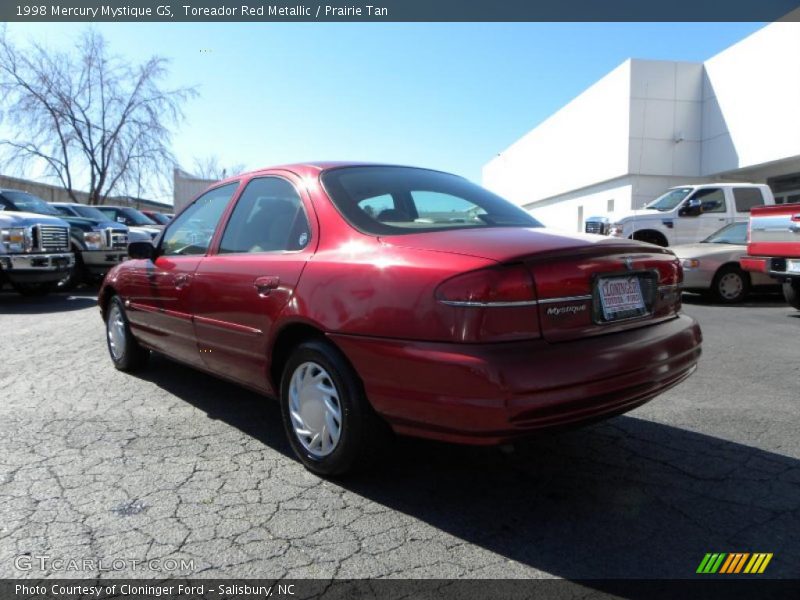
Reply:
x=747, y=198
x=397, y=200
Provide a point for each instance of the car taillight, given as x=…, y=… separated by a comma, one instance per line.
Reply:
x=490, y=305
x=494, y=287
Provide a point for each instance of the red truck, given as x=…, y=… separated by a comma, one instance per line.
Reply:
x=774, y=247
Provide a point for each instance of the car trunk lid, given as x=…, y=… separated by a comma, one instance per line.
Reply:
x=582, y=281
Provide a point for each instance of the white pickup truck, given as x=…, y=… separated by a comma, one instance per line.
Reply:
x=685, y=214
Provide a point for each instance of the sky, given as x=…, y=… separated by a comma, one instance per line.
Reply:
x=442, y=95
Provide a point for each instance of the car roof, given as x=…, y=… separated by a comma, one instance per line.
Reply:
x=314, y=168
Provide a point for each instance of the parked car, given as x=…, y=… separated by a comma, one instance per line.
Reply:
x=368, y=296
x=685, y=214
x=132, y=218
x=34, y=252
x=90, y=212
x=158, y=217
x=97, y=245
x=774, y=247
x=712, y=266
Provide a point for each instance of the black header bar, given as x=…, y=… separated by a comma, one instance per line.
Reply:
x=398, y=10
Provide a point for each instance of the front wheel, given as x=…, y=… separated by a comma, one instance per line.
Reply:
x=125, y=351
x=791, y=291
x=731, y=285
x=330, y=424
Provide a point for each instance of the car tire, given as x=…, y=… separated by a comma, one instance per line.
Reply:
x=125, y=352
x=331, y=426
x=791, y=291
x=731, y=285
x=35, y=289
x=77, y=275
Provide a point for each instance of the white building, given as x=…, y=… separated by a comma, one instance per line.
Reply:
x=649, y=125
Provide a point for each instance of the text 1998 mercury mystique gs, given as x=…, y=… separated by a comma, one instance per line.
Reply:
x=371, y=298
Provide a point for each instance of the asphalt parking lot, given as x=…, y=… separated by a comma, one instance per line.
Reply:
x=96, y=464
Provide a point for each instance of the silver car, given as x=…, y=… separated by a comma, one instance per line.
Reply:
x=712, y=266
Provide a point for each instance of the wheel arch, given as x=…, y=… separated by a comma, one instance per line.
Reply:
x=654, y=234
x=104, y=298
x=288, y=337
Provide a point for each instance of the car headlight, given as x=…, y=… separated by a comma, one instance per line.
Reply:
x=93, y=240
x=16, y=239
x=690, y=263
x=616, y=229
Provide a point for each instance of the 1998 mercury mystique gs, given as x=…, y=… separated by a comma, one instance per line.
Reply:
x=372, y=297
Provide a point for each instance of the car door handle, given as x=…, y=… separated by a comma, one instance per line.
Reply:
x=264, y=285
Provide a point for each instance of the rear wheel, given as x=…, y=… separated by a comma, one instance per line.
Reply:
x=125, y=351
x=731, y=285
x=331, y=426
x=791, y=291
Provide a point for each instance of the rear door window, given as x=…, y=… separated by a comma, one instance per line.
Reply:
x=746, y=198
x=268, y=217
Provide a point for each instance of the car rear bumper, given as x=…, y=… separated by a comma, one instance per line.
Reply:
x=779, y=268
x=494, y=393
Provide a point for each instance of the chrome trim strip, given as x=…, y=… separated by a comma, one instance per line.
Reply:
x=565, y=299
x=519, y=303
x=488, y=304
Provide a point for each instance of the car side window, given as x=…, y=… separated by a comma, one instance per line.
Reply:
x=191, y=232
x=268, y=217
x=436, y=207
x=712, y=200
x=377, y=205
x=745, y=198
x=63, y=210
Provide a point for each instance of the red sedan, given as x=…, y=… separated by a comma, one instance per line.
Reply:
x=372, y=298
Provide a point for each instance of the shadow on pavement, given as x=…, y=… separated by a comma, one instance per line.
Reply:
x=627, y=498
x=754, y=300
x=12, y=303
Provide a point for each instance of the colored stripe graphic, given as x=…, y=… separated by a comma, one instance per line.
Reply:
x=711, y=562
x=758, y=563
x=734, y=562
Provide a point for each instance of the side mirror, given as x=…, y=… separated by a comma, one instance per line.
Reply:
x=141, y=250
x=692, y=208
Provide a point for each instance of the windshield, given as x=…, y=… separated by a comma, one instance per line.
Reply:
x=395, y=200
x=735, y=233
x=137, y=217
x=159, y=218
x=669, y=200
x=127, y=215
x=26, y=202
x=90, y=212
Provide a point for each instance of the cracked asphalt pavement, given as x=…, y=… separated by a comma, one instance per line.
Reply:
x=174, y=464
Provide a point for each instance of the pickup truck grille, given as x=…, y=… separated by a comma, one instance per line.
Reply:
x=596, y=227
x=116, y=239
x=47, y=238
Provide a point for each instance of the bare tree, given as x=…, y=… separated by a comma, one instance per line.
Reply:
x=209, y=167
x=88, y=117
